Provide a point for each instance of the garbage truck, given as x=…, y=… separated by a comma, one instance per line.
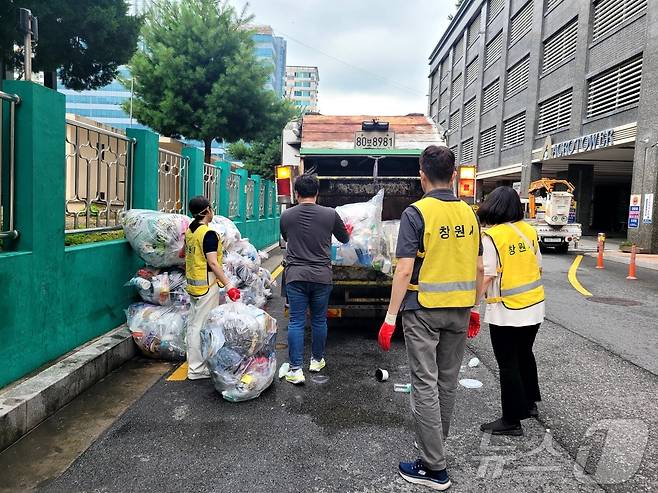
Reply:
x=355, y=157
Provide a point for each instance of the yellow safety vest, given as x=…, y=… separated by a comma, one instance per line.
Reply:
x=196, y=265
x=520, y=282
x=451, y=242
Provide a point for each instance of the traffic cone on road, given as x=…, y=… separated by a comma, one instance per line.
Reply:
x=599, y=259
x=631, y=265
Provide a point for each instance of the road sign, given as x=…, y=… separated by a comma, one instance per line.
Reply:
x=634, y=211
x=647, y=215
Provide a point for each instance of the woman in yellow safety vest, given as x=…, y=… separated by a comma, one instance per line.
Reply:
x=203, y=269
x=515, y=305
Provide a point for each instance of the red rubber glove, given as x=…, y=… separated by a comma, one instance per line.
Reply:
x=233, y=294
x=473, y=325
x=349, y=228
x=386, y=332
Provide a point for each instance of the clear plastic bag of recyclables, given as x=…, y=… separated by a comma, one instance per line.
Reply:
x=367, y=247
x=157, y=237
x=237, y=343
x=161, y=287
x=159, y=331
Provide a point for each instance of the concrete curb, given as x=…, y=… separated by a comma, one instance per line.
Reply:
x=24, y=406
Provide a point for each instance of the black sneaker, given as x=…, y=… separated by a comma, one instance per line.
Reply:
x=533, y=412
x=502, y=427
x=417, y=473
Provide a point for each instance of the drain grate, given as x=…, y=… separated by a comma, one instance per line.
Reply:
x=613, y=301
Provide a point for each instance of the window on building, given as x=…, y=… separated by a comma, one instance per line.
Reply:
x=488, y=141
x=454, y=121
x=458, y=51
x=493, y=50
x=616, y=88
x=555, y=113
x=302, y=84
x=552, y=3
x=560, y=47
x=469, y=111
x=443, y=99
x=303, y=93
x=474, y=30
x=444, y=124
x=434, y=110
x=514, y=130
x=454, y=150
x=517, y=77
x=495, y=8
x=445, y=71
x=608, y=14
x=467, y=152
x=472, y=71
x=457, y=86
x=490, y=96
x=521, y=23
x=434, y=84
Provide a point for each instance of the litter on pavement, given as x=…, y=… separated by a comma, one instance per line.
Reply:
x=473, y=362
x=402, y=387
x=470, y=383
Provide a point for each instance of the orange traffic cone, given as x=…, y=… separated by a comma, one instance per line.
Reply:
x=599, y=260
x=631, y=265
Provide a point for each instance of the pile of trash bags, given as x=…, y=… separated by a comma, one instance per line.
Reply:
x=159, y=323
x=367, y=246
x=391, y=231
x=159, y=331
x=237, y=343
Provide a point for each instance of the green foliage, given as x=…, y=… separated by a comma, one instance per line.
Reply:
x=83, y=238
x=198, y=76
x=264, y=153
x=85, y=41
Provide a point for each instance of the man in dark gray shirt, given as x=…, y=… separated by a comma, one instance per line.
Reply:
x=307, y=228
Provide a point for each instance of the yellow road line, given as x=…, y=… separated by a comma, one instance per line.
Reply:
x=179, y=374
x=277, y=272
x=574, y=280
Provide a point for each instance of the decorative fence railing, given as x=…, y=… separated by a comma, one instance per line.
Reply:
x=234, y=195
x=98, y=177
x=172, y=182
x=261, y=200
x=250, y=189
x=212, y=175
x=8, y=103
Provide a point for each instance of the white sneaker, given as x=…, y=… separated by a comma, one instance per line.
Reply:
x=316, y=365
x=296, y=377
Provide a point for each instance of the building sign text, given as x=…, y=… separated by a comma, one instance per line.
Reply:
x=591, y=142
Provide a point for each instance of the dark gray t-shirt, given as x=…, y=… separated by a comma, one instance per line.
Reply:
x=307, y=229
x=410, y=241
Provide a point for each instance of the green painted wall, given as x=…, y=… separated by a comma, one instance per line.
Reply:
x=55, y=298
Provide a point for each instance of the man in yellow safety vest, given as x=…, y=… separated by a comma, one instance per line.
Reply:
x=203, y=269
x=437, y=278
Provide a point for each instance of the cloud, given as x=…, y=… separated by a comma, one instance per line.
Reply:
x=372, y=54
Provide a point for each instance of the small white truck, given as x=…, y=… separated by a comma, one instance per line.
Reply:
x=549, y=214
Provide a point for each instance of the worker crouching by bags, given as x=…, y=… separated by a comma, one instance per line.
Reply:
x=515, y=305
x=203, y=268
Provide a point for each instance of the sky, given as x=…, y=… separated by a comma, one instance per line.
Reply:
x=372, y=55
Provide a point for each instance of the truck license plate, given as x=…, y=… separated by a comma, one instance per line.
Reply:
x=552, y=240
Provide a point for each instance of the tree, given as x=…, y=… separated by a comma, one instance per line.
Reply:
x=264, y=153
x=83, y=41
x=197, y=75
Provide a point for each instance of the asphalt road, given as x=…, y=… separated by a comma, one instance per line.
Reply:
x=597, y=366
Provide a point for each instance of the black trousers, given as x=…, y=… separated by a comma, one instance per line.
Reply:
x=519, y=383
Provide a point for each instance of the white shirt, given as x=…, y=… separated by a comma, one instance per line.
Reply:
x=496, y=313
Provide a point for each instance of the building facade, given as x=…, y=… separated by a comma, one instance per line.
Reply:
x=557, y=88
x=272, y=50
x=302, y=87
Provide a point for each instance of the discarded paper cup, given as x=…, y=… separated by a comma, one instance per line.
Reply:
x=381, y=375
